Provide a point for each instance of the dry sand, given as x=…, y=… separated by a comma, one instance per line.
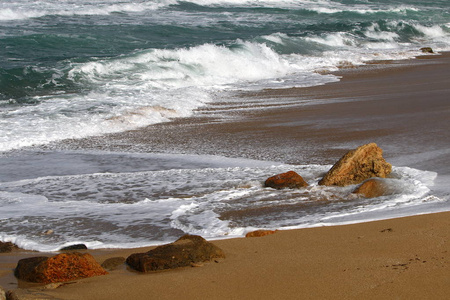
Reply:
x=402, y=106
x=405, y=258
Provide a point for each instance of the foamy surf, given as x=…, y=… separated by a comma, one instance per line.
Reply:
x=224, y=198
x=112, y=66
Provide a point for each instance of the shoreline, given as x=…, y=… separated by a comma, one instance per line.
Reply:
x=316, y=126
x=367, y=270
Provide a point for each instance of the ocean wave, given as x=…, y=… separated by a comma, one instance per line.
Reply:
x=132, y=90
x=21, y=9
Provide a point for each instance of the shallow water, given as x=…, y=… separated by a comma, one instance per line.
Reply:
x=120, y=200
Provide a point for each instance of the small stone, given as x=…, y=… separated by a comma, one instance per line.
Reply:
x=197, y=265
x=259, y=233
x=289, y=180
x=113, y=263
x=52, y=286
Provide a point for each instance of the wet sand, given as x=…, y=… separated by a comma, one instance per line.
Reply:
x=402, y=106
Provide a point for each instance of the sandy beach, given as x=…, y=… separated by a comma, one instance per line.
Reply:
x=405, y=258
x=402, y=106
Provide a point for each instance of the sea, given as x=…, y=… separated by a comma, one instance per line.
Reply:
x=76, y=69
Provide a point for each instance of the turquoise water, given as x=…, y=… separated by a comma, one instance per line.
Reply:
x=80, y=68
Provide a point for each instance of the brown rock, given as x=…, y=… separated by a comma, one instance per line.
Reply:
x=12, y=295
x=6, y=247
x=182, y=253
x=358, y=165
x=372, y=188
x=259, y=233
x=286, y=180
x=59, y=268
x=113, y=263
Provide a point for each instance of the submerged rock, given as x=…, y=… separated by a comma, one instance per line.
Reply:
x=372, y=188
x=59, y=268
x=426, y=50
x=6, y=247
x=182, y=253
x=358, y=165
x=286, y=180
x=260, y=233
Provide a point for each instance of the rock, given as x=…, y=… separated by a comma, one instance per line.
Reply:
x=372, y=188
x=259, y=233
x=113, y=263
x=375, y=187
x=53, y=286
x=12, y=295
x=426, y=50
x=2, y=294
x=358, y=165
x=59, y=268
x=286, y=180
x=197, y=265
x=74, y=247
x=6, y=247
x=48, y=232
x=184, y=252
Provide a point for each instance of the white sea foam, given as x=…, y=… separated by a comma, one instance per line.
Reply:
x=8, y=14
x=149, y=87
x=156, y=85
x=152, y=207
x=375, y=32
x=319, y=6
x=24, y=9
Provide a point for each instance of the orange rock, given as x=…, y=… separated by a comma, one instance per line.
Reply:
x=259, y=233
x=371, y=188
x=358, y=165
x=58, y=268
x=286, y=180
